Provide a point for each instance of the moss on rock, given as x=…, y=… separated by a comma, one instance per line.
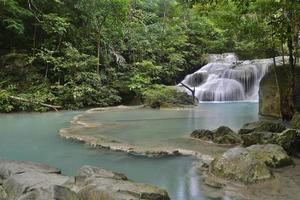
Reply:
x=222, y=135
x=159, y=96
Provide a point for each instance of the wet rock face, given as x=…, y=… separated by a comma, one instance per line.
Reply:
x=269, y=95
x=249, y=165
x=222, y=135
x=30, y=181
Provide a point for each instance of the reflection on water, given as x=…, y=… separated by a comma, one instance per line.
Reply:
x=34, y=137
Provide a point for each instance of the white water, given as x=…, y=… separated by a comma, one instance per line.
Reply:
x=226, y=78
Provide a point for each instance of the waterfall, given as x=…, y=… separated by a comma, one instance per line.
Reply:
x=226, y=78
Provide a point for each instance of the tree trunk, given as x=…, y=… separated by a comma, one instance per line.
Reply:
x=288, y=102
x=282, y=53
x=98, y=57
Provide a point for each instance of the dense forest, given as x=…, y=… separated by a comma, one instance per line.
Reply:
x=81, y=53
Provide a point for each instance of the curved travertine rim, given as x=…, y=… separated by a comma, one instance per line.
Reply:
x=114, y=145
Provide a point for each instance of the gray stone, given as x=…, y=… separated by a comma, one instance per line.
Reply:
x=37, y=185
x=91, y=182
x=31, y=181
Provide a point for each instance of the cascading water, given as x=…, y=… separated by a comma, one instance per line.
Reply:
x=226, y=78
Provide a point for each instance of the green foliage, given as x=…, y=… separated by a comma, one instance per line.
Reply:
x=77, y=53
x=158, y=96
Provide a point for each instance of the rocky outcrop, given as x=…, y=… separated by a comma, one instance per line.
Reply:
x=262, y=126
x=222, y=135
x=266, y=132
x=296, y=121
x=272, y=155
x=269, y=95
x=249, y=165
x=93, y=182
x=31, y=181
x=237, y=164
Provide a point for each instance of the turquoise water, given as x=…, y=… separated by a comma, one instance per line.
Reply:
x=34, y=137
x=167, y=128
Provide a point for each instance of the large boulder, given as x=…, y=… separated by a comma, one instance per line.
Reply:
x=257, y=138
x=273, y=155
x=296, y=121
x=202, y=134
x=9, y=168
x=222, y=135
x=289, y=139
x=249, y=165
x=238, y=165
x=30, y=181
x=39, y=186
x=262, y=126
x=91, y=182
x=272, y=90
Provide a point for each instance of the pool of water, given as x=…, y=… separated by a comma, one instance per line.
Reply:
x=166, y=128
x=34, y=137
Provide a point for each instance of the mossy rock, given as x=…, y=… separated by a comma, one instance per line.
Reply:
x=273, y=155
x=262, y=126
x=296, y=121
x=289, y=140
x=202, y=134
x=238, y=165
x=159, y=96
x=222, y=135
x=257, y=138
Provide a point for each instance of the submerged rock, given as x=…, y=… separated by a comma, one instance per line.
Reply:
x=249, y=165
x=30, y=181
x=222, y=135
x=262, y=126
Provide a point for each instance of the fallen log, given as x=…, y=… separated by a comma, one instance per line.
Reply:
x=39, y=103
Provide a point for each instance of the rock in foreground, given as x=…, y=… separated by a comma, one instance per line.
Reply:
x=249, y=165
x=30, y=181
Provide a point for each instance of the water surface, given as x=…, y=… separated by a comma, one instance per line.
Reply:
x=34, y=137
